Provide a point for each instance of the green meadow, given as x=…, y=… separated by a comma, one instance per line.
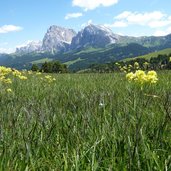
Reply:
x=85, y=122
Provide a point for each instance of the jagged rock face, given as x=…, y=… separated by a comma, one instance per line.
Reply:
x=57, y=39
x=95, y=36
x=34, y=46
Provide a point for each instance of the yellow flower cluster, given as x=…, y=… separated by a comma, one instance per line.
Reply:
x=146, y=64
x=19, y=75
x=38, y=73
x=9, y=90
x=129, y=68
x=141, y=77
x=3, y=75
x=4, y=70
x=30, y=72
x=136, y=65
x=49, y=79
x=124, y=68
x=6, y=75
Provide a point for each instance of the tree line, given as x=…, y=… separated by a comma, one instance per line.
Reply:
x=50, y=67
x=161, y=62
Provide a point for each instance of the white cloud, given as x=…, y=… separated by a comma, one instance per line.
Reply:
x=7, y=50
x=87, y=23
x=153, y=19
x=73, y=15
x=10, y=28
x=140, y=18
x=159, y=33
x=157, y=24
x=117, y=24
x=92, y=4
x=123, y=15
x=169, y=30
x=163, y=32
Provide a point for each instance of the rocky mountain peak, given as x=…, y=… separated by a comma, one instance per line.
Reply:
x=30, y=46
x=95, y=36
x=57, y=38
x=97, y=28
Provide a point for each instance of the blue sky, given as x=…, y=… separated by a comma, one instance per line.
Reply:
x=26, y=20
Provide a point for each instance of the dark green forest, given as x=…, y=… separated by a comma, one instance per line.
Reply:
x=161, y=62
x=51, y=67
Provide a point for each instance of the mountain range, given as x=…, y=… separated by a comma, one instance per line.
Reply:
x=93, y=44
x=58, y=39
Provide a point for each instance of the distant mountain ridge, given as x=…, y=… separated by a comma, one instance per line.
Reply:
x=159, y=42
x=93, y=44
x=33, y=46
x=59, y=39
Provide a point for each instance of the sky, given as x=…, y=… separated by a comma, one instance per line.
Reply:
x=22, y=21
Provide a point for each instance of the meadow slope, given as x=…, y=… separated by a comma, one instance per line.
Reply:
x=151, y=55
x=85, y=122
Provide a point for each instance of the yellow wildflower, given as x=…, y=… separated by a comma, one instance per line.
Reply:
x=9, y=90
x=146, y=63
x=136, y=65
x=16, y=73
x=4, y=70
x=141, y=77
x=124, y=67
x=2, y=77
x=7, y=81
x=22, y=77
x=130, y=76
x=170, y=59
x=38, y=73
x=152, y=77
x=117, y=64
x=30, y=72
x=49, y=78
x=129, y=66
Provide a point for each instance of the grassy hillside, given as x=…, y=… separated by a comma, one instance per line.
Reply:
x=152, y=55
x=91, y=56
x=73, y=62
x=78, y=59
x=82, y=58
x=85, y=122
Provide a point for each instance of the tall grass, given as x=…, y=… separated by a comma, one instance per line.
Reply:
x=86, y=122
